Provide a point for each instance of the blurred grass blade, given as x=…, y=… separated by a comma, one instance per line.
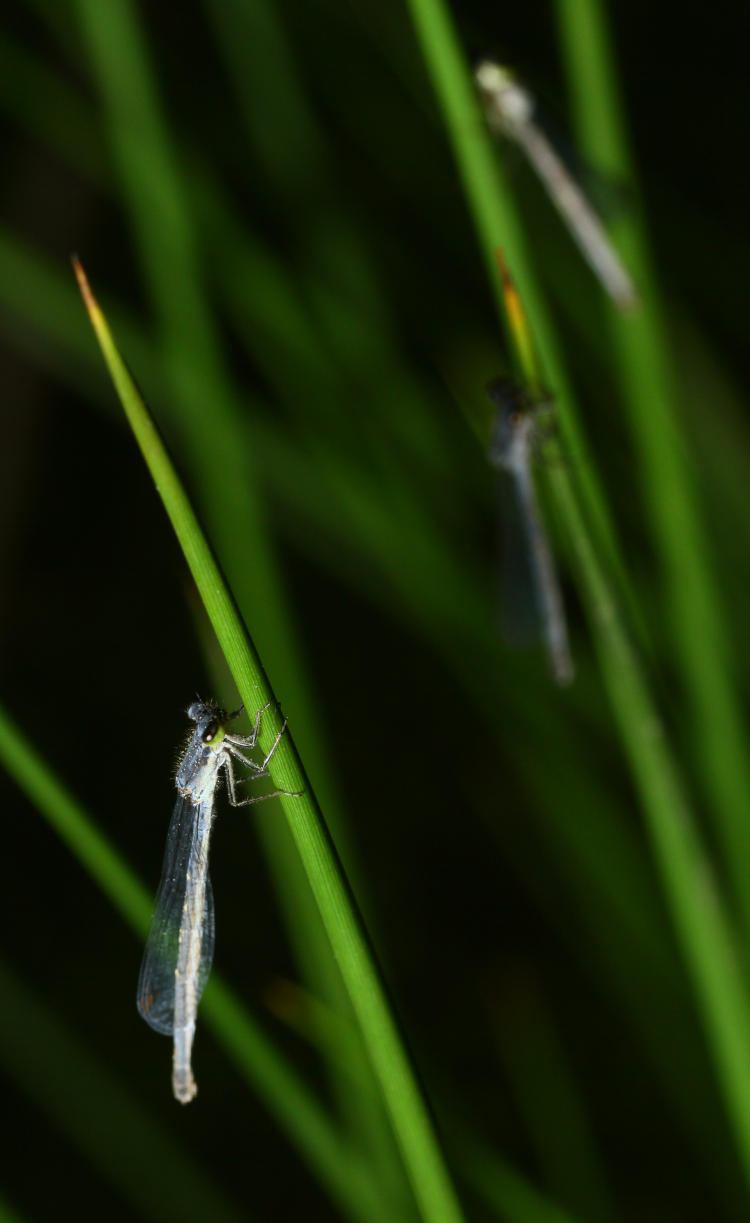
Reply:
x=8, y=1214
x=549, y=1100
x=408, y=1113
x=649, y=391
x=510, y=1196
x=100, y=1116
x=698, y=912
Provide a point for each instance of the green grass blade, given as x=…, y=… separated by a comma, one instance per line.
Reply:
x=510, y=1196
x=281, y=130
x=8, y=1214
x=657, y=419
x=549, y=1100
x=698, y=912
x=408, y=1113
x=101, y=1117
x=42, y=103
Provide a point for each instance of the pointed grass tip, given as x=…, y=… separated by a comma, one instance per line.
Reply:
x=519, y=324
x=89, y=300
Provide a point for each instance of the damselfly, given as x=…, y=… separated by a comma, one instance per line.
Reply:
x=510, y=111
x=180, y=946
x=510, y=450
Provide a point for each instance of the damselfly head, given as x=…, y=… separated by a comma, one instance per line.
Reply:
x=210, y=719
x=511, y=405
x=506, y=102
x=506, y=394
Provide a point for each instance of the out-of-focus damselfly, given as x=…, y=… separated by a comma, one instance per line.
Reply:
x=512, y=439
x=180, y=946
x=510, y=112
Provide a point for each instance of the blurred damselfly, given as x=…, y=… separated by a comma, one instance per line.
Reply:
x=510, y=450
x=510, y=112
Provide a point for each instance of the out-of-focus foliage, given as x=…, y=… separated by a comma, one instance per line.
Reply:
x=266, y=201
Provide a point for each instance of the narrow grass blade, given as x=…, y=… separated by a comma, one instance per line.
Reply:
x=697, y=908
x=408, y=1113
x=549, y=1100
x=8, y=1214
x=512, y=1198
x=101, y=1117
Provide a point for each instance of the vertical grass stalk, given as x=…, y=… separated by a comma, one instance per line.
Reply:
x=405, y=1107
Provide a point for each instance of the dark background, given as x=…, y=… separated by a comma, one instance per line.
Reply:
x=484, y=930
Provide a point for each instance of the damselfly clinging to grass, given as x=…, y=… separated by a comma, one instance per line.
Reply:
x=510, y=112
x=180, y=945
x=512, y=439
